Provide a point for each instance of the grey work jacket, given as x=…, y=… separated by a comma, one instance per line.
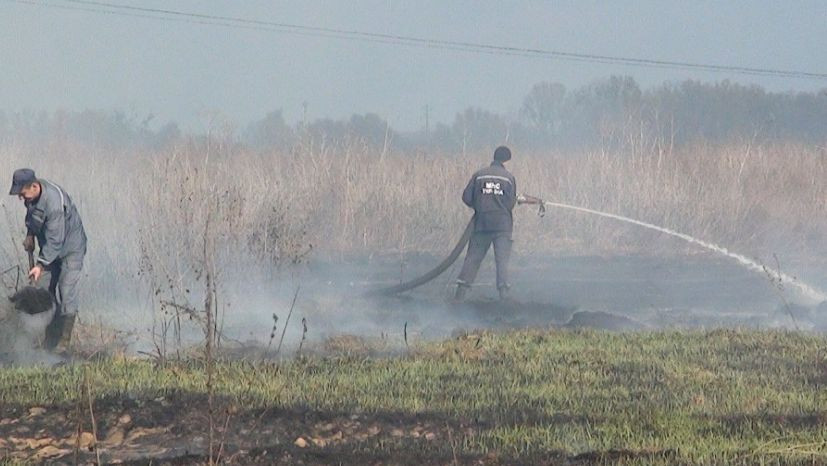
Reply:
x=54, y=221
x=492, y=192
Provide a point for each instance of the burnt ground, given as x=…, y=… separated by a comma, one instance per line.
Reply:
x=173, y=430
x=701, y=291
x=613, y=293
x=620, y=293
x=628, y=285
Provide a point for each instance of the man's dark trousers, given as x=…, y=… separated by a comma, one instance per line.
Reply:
x=62, y=277
x=477, y=248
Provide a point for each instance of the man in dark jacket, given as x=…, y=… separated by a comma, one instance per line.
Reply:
x=492, y=193
x=52, y=219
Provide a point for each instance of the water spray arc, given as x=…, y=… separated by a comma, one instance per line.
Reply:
x=750, y=264
x=807, y=290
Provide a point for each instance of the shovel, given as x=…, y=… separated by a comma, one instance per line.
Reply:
x=31, y=264
x=33, y=300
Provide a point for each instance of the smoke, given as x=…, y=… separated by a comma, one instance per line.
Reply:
x=617, y=294
x=626, y=293
x=23, y=320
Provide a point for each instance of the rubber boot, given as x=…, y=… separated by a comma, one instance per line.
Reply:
x=459, y=295
x=53, y=332
x=505, y=293
x=66, y=334
x=59, y=332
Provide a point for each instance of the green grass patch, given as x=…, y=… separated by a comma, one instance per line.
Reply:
x=721, y=396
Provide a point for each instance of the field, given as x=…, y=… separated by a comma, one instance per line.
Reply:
x=534, y=397
x=208, y=241
x=146, y=212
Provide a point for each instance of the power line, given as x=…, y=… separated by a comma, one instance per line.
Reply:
x=228, y=25
x=393, y=39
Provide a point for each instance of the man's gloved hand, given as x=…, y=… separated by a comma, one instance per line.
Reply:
x=526, y=199
x=28, y=244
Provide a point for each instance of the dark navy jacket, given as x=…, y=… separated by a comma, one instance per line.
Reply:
x=492, y=193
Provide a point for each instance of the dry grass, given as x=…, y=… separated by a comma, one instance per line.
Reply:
x=356, y=200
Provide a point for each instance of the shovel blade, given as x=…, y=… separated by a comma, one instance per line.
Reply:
x=33, y=300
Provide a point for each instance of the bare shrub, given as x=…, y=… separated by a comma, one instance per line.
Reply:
x=189, y=225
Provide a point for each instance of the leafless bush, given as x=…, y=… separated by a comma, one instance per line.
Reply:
x=189, y=221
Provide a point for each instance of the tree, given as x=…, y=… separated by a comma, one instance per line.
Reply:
x=269, y=132
x=371, y=129
x=544, y=109
x=476, y=128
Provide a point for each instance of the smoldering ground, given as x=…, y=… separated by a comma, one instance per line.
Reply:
x=620, y=293
x=24, y=316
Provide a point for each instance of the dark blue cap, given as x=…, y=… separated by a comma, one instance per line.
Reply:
x=22, y=178
x=502, y=154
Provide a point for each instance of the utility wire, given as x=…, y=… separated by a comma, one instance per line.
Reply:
x=393, y=39
x=231, y=25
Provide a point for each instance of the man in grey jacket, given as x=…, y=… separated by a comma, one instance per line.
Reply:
x=492, y=193
x=52, y=219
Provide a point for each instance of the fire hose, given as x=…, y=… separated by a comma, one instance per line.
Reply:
x=437, y=271
x=452, y=257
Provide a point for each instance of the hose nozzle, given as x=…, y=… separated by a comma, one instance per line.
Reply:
x=533, y=200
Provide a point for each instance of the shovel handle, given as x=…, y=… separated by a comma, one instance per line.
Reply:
x=31, y=261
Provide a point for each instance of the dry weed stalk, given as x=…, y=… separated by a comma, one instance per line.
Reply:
x=88, y=386
x=272, y=334
x=209, y=331
x=304, y=336
x=287, y=321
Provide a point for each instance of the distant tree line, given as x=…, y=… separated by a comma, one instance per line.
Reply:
x=98, y=128
x=609, y=113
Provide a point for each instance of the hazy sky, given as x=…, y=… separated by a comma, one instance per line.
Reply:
x=52, y=58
